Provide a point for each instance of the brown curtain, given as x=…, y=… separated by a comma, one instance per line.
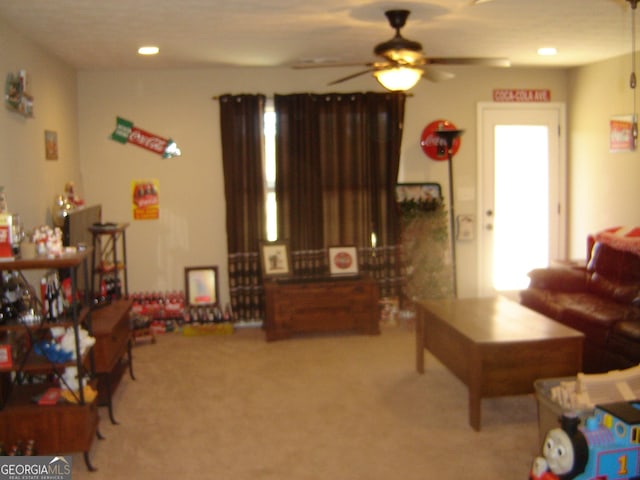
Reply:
x=337, y=159
x=241, y=126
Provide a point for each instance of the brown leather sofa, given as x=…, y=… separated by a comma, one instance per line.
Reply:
x=601, y=299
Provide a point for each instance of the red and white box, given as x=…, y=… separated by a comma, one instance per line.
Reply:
x=6, y=252
x=6, y=360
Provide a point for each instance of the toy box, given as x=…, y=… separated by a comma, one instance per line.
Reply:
x=550, y=411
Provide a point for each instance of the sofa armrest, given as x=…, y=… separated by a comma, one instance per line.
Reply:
x=559, y=278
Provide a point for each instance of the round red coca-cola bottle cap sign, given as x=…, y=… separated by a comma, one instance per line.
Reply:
x=343, y=260
x=435, y=147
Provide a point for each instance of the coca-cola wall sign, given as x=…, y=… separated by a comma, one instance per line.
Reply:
x=145, y=199
x=126, y=132
x=435, y=147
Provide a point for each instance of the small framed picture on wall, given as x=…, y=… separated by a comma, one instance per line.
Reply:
x=50, y=145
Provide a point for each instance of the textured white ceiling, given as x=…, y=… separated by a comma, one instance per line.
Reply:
x=91, y=34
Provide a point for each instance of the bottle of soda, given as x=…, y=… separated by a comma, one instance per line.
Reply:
x=30, y=448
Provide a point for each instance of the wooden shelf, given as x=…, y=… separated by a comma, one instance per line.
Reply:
x=66, y=322
x=59, y=428
x=38, y=364
x=67, y=260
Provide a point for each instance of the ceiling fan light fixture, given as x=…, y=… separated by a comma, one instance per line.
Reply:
x=399, y=50
x=398, y=79
x=402, y=55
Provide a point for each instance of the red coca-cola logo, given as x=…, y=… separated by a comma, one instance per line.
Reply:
x=147, y=140
x=343, y=260
x=435, y=147
x=146, y=201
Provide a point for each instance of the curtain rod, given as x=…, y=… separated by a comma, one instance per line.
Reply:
x=217, y=97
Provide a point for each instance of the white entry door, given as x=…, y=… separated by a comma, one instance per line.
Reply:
x=521, y=192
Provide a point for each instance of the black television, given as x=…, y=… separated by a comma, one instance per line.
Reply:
x=75, y=231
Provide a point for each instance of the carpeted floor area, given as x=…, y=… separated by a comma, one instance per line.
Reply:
x=315, y=407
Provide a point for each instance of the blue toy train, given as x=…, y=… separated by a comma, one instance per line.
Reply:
x=606, y=447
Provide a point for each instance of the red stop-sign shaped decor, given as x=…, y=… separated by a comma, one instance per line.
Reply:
x=435, y=147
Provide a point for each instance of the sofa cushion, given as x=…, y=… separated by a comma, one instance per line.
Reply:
x=616, y=265
x=617, y=291
x=544, y=301
x=559, y=278
x=629, y=329
x=624, y=341
x=597, y=310
x=588, y=313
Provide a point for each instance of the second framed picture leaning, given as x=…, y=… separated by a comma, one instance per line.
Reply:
x=201, y=285
x=275, y=259
x=343, y=260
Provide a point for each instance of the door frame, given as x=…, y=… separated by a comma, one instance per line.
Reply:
x=560, y=108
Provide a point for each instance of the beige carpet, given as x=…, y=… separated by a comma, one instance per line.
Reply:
x=315, y=407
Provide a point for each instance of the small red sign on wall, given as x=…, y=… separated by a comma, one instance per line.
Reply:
x=435, y=147
x=621, y=134
x=521, y=95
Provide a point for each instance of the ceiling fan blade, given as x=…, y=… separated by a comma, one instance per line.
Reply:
x=354, y=75
x=481, y=62
x=309, y=65
x=434, y=75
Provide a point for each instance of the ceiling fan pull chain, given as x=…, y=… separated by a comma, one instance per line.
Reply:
x=632, y=78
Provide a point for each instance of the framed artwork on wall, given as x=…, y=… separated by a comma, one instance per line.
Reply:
x=418, y=192
x=343, y=260
x=201, y=285
x=621, y=133
x=50, y=145
x=275, y=259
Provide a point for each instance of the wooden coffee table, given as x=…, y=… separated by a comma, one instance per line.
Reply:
x=495, y=346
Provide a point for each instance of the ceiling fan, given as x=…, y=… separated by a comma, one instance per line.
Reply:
x=403, y=61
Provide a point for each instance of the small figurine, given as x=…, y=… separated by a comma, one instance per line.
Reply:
x=72, y=197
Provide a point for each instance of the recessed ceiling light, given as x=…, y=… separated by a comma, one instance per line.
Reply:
x=547, y=51
x=148, y=50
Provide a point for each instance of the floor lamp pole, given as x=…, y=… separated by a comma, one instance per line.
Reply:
x=449, y=136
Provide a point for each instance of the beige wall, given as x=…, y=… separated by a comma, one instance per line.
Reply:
x=31, y=182
x=83, y=107
x=603, y=186
x=191, y=228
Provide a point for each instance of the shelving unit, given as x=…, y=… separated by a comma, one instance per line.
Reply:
x=59, y=428
x=109, y=240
